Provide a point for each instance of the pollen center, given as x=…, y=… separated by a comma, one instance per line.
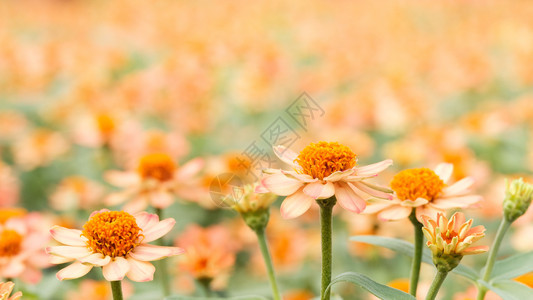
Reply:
x=10, y=243
x=412, y=184
x=158, y=166
x=319, y=160
x=112, y=233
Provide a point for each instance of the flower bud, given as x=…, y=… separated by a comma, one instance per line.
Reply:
x=518, y=195
x=254, y=205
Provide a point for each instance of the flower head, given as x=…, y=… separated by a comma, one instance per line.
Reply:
x=320, y=171
x=155, y=181
x=518, y=195
x=450, y=240
x=253, y=207
x=5, y=291
x=115, y=241
x=426, y=191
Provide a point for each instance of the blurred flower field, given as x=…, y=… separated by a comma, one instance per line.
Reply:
x=163, y=106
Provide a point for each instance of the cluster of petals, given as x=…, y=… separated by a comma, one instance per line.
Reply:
x=302, y=189
x=5, y=290
x=453, y=236
x=135, y=265
x=452, y=196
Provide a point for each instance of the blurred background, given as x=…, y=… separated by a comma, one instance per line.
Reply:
x=88, y=86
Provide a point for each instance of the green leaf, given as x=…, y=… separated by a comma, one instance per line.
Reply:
x=407, y=248
x=510, y=290
x=377, y=289
x=176, y=297
x=513, y=266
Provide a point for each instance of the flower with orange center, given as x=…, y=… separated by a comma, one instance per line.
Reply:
x=424, y=190
x=449, y=240
x=322, y=170
x=5, y=290
x=155, y=181
x=21, y=245
x=115, y=241
x=77, y=192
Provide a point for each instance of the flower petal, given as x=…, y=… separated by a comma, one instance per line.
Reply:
x=298, y=176
x=74, y=270
x=339, y=175
x=319, y=190
x=146, y=220
x=375, y=205
x=146, y=252
x=395, y=213
x=96, y=259
x=416, y=203
x=281, y=185
x=122, y=179
x=286, y=155
x=348, y=199
x=475, y=250
x=190, y=169
x=140, y=271
x=56, y=260
x=373, y=169
x=456, y=202
x=295, y=205
x=371, y=191
x=161, y=199
x=158, y=230
x=444, y=171
x=460, y=187
x=71, y=237
x=69, y=251
x=427, y=210
x=116, y=269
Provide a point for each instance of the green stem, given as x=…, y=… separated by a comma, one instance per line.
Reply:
x=326, y=209
x=417, y=258
x=261, y=237
x=205, y=283
x=116, y=288
x=436, y=284
x=504, y=226
x=162, y=271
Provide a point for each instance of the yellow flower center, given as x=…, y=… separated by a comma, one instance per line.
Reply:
x=10, y=243
x=158, y=166
x=412, y=184
x=8, y=213
x=105, y=123
x=319, y=160
x=112, y=233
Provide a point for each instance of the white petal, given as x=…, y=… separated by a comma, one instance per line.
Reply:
x=69, y=251
x=75, y=270
x=416, y=203
x=96, y=259
x=395, y=213
x=281, y=185
x=122, y=179
x=158, y=230
x=116, y=269
x=371, y=191
x=56, y=260
x=444, y=171
x=373, y=169
x=460, y=187
x=140, y=271
x=295, y=205
x=71, y=237
x=319, y=190
x=146, y=252
x=456, y=202
x=348, y=199
x=286, y=155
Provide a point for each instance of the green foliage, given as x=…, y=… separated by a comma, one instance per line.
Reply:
x=377, y=289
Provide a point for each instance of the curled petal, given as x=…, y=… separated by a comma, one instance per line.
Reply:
x=339, y=175
x=74, y=270
x=96, y=259
x=475, y=250
x=373, y=192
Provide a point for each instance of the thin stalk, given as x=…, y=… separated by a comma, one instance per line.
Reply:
x=116, y=289
x=493, y=252
x=326, y=209
x=162, y=271
x=261, y=237
x=417, y=258
x=436, y=284
x=205, y=283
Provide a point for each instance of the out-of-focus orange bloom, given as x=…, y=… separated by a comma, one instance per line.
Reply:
x=9, y=186
x=77, y=192
x=39, y=148
x=97, y=290
x=298, y=295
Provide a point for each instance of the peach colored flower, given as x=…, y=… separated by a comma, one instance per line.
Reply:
x=5, y=291
x=454, y=236
x=39, y=148
x=322, y=170
x=115, y=241
x=425, y=191
x=471, y=294
x=210, y=254
x=9, y=186
x=76, y=192
x=22, y=245
x=155, y=182
x=97, y=290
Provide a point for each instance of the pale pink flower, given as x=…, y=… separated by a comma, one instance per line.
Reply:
x=5, y=291
x=77, y=192
x=9, y=186
x=39, y=148
x=22, y=245
x=156, y=181
x=115, y=241
x=320, y=171
x=97, y=290
x=425, y=191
